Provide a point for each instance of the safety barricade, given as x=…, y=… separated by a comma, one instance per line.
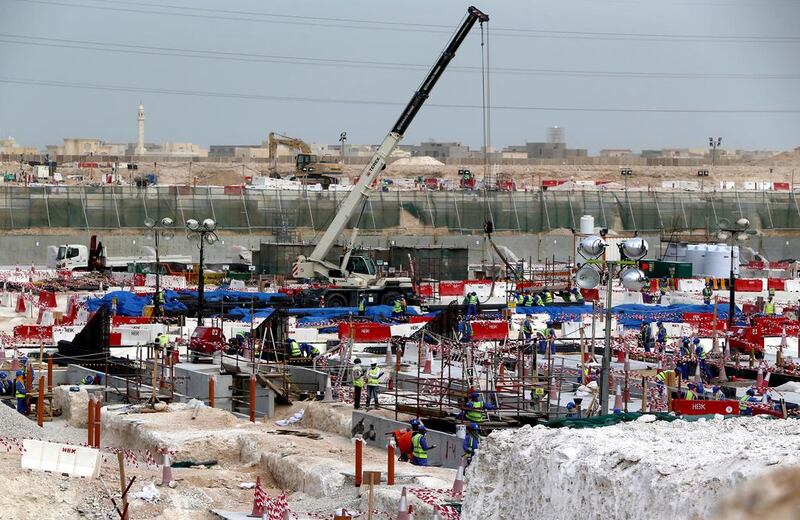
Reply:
x=366, y=332
x=705, y=407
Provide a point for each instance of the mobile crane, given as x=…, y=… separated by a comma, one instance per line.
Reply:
x=309, y=168
x=358, y=274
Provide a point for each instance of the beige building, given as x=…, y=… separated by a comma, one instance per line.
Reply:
x=9, y=146
x=86, y=146
x=616, y=152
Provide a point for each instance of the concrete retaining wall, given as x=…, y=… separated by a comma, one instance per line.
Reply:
x=448, y=450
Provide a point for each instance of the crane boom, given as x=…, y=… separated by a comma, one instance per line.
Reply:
x=315, y=264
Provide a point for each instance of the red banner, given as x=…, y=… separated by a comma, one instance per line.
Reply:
x=704, y=321
x=780, y=186
x=776, y=284
x=774, y=326
x=451, y=288
x=366, y=332
x=706, y=407
x=130, y=320
x=419, y=319
x=425, y=289
x=33, y=332
x=489, y=330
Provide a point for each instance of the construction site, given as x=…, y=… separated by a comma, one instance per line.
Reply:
x=304, y=336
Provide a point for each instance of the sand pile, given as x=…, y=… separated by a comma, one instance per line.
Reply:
x=642, y=469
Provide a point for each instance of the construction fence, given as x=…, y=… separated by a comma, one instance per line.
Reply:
x=280, y=212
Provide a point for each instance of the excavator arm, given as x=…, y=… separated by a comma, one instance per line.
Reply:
x=315, y=265
x=291, y=142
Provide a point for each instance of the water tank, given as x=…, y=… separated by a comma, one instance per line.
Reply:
x=695, y=254
x=718, y=260
x=587, y=225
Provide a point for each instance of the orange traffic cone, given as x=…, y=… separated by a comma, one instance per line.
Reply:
x=428, y=369
x=20, y=304
x=258, y=500
x=402, y=509
x=766, y=383
x=760, y=378
x=166, y=472
x=458, y=484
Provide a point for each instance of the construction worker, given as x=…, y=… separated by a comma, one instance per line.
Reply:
x=420, y=447
x=547, y=339
x=358, y=382
x=475, y=409
x=294, y=349
x=547, y=296
x=522, y=298
x=162, y=340
x=374, y=375
x=769, y=307
x=362, y=304
x=309, y=350
x=537, y=300
x=472, y=304
x=512, y=306
x=397, y=308
x=571, y=413
x=471, y=442
x=663, y=285
x=6, y=388
x=686, y=348
x=87, y=380
x=690, y=394
x=716, y=393
x=402, y=438
x=700, y=354
x=20, y=392
x=646, y=336
x=577, y=295
x=160, y=299
x=771, y=293
x=745, y=408
x=707, y=293
x=465, y=327
x=661, y=338
x=527, y=327
x=661, y=378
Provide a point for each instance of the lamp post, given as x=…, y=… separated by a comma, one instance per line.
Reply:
x=714, y=144
x=159, y=229
x=205, y=232
x=739, y=232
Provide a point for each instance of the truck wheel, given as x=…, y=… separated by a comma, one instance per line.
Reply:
x=389, y=298
x=335, y=300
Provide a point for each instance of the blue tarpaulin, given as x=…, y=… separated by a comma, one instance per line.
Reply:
x=130, y=304
x=245, y=315
x=222, y=295
x=316, y=315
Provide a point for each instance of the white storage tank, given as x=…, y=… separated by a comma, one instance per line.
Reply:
x=718, y=261
x=587, y=225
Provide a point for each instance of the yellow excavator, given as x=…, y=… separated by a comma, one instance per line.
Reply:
x=309, y=168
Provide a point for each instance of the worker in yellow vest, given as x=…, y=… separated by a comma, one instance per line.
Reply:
x=358, y=382
x=769, y=307
x=374, y=375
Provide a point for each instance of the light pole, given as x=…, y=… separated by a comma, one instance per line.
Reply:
x=626, y=172
x=161, y=228
x=714, y=144
x=739, y=232
x=342, y=140
x=204, y=231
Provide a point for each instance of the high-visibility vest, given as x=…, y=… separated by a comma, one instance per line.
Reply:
x=512, y=304
x=358, y=378
x=690, y=396
x=20, y=389
x=701, y=353
x=160, y=297
x=416, y=443
x=163, y=340
x=520, y=299
x=315, y=352
x=743, y=402
x=361, y=305
x=529, y=301
x=578, y=296
x=475, y=414
x=707, y=292
x=527, y=327
x=662, y=376
x=397, y=307
x=372, y=377
x=548, y=297
x=295, y=346
x=769, y=308
x=473, y=299
x=537, y=300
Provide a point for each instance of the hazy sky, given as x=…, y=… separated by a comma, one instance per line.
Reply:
x=718, y=55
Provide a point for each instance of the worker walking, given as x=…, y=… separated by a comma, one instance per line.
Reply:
x=420, y=447
x=21, y=393
x=646, y=336
x=358, y=382
x=707, y=293
x=661, y=338
x=471, y=442
x=374, y=375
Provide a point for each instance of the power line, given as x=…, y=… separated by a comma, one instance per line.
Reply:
x=263, y=97
x=350, y=23
x=148, y=50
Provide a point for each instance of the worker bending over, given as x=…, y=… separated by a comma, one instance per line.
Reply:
x=475, y=409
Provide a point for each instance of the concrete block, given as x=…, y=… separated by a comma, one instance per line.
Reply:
x=74, y=406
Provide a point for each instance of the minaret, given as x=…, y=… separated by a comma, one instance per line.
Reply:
x=140, y=141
